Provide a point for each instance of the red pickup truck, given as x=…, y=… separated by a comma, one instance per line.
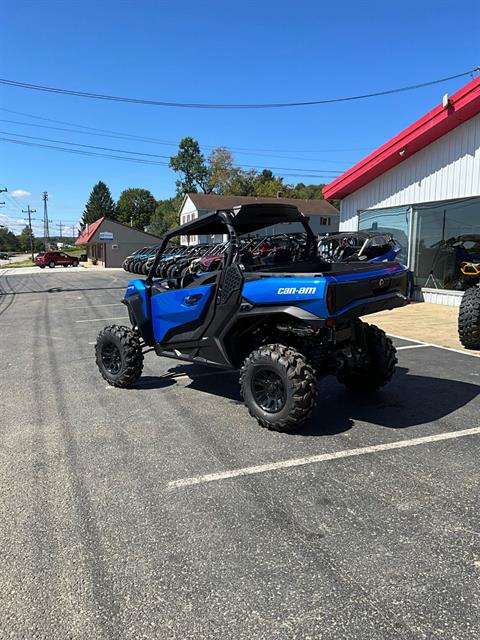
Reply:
x=55, y=258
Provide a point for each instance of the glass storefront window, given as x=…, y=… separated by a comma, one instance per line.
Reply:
x=393, y=220
x=445, y=235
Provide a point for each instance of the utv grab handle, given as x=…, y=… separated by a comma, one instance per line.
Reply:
x=192, y=300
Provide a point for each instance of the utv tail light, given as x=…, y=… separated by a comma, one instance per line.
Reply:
x=331, y=299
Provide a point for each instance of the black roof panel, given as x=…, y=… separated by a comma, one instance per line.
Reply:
x=246, y=219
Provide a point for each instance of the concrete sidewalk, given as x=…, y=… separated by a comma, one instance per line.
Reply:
x=433, y=323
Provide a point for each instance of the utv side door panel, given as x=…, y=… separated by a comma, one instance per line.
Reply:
x=180, y=310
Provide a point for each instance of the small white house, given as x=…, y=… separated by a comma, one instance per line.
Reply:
x=423, y=185
x=323, y=216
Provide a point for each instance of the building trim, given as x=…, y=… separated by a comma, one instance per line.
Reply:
x=462, y=105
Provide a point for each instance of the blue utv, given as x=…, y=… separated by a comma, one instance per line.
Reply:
x=282, y=324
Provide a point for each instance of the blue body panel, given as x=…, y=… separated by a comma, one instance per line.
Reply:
x=310, y=293
x=172, y=309
x=135, y=287
x=186, y=308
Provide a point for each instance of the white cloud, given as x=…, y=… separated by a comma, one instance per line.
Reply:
x=20, y=193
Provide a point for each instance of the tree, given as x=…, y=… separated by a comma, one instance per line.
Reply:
x=166, y=216
x=223, y=174
x=136, y=207
x=190, y=164
x=8, y=240
x=26, y=239
x=100, y=203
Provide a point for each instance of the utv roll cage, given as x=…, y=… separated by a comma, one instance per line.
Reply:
x=239, y=220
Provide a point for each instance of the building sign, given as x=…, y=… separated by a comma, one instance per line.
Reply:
x=105, y=236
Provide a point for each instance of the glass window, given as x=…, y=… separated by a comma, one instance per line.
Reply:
x=394, y=221
x=445, y=235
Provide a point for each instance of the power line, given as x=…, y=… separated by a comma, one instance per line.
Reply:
x=327, y=174
x=173, y=144
x=200, y=105
x=154, y=155
x=84, y=153
x=170, y=142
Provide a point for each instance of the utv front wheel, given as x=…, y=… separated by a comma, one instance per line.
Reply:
x=378, y=365
x=469, y=319
x=119, y=356
x=278, y=387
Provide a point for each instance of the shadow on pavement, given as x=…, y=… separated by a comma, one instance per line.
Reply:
x=409, y=400
x=58, y=290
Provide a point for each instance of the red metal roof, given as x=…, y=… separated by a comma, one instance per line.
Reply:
x=88, y=232
x=463, y=105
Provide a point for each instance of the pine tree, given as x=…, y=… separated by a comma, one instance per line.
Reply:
x=100, y=203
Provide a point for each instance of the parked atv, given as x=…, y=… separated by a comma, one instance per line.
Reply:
x=282, y=324
x=359, y=246
x=469, y=313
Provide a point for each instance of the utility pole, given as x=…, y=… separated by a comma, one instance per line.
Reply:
x=30, y=211
x=46, y=233
x=60, y=226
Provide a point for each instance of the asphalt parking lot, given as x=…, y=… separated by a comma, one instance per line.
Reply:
x=165, y=511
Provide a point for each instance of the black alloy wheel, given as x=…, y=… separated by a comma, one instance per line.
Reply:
x=268, y=390
x=111, y=358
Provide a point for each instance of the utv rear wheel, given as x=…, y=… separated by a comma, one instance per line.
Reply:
x=278, y=387
x=379, y=364
x=119, y=356
x=469, y=319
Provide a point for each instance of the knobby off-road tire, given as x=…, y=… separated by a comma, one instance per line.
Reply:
x=469, y=319
x=119, y=356
x=290, y=376
x=381, y=366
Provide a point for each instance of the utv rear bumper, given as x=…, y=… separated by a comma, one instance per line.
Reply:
x=371, y=305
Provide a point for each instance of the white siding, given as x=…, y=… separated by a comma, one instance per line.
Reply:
x=448, y=168
x=188, y=213
x=439, y=296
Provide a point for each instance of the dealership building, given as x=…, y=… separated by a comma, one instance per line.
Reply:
x=423, y=186
x=109, y=242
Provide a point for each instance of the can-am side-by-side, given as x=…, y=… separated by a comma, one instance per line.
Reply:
x=282, y=323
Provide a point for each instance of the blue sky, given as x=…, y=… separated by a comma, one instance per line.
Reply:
x=216, y=51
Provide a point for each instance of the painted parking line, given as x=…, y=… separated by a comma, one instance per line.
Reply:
x=323, y=457
x=437, y=346
x=102, y=319
x=413, y=346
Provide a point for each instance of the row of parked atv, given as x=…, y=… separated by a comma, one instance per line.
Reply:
x=181, y=261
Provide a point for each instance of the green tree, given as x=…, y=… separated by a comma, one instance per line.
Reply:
x=136, y=207
x=190, y=164
x=224, y=176
x=8, y=240
x=165, y=216
x=25, y=239
x=100, y=203
x=267, y=185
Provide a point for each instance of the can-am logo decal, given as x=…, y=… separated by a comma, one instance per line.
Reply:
x=289, y=291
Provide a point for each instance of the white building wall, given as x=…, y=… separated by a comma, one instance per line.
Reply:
x=448, y=168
